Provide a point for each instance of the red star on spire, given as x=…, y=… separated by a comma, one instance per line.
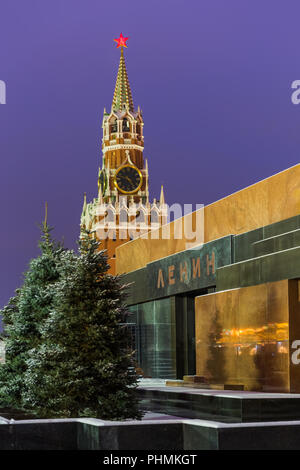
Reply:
x=121, y=41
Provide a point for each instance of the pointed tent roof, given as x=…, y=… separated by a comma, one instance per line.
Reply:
x=84, y=204
x=122, y=92
x=162, y=196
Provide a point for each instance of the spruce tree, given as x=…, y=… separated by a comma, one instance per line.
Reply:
x=83, y=365
x=24, y=314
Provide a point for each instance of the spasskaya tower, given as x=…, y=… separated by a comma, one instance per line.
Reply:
x=122, y=210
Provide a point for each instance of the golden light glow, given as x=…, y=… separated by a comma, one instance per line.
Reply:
x=279, y=332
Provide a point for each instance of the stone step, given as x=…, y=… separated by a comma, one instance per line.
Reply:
x=276, y=243
x=202, y=385
x=267, y=268
x=281, y=227
x=220, y=405
x=174, y=383
x=194, y=379
x=243, y=243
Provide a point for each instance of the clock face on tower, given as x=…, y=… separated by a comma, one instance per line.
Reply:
x=128, y=179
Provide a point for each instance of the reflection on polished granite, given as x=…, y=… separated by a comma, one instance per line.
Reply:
x=244, y=336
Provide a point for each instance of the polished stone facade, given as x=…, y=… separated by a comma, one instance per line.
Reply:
x=242, y=288
x=243, y=336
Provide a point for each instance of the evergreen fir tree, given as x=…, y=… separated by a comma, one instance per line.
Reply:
x=24, y=314
x=83, y=366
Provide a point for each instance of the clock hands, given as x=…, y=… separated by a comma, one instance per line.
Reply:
x=128, y=179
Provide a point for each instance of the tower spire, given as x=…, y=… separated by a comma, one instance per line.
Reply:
x=122, y=93
x=147, y=183
x=162, y=196
x=84, y=203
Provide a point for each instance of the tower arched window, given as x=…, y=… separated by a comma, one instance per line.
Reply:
x=154, y=216
x=140, y=217
x=114, y=126
x=125, y=125
x=123, y=216
x=110, y=216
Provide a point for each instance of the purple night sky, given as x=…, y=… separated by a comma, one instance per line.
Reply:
x=212, y=77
